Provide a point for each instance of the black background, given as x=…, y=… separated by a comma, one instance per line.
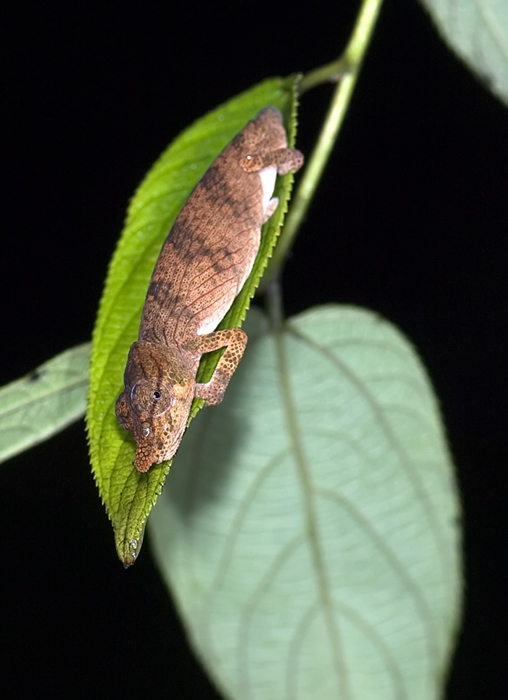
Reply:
x=410, y=220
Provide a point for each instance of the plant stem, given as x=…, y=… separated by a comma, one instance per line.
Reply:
x=274, y=305
x=347, y=67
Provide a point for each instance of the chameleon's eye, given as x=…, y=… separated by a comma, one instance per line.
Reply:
x=151, y=399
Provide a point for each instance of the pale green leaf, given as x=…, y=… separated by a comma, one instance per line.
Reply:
x=309, y=533
x=129, y=495
x=477, y=30
x=44, y=402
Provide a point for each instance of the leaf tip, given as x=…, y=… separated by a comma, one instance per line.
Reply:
x=128, y=551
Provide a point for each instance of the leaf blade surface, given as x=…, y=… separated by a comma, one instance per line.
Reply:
x=47, y=400
x=311, y=545
x=477, y=31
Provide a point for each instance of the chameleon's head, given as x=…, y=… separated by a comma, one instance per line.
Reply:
x=155, y=403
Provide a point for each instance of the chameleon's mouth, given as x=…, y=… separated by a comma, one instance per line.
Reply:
x=150, y=451
x=142, y=462
x=147, y=451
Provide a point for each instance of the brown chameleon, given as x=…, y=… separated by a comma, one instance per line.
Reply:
x=204, y=262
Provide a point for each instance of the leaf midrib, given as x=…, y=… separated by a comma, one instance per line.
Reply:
x=310, y=513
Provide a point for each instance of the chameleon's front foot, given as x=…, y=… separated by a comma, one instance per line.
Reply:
x=213, y=391
x=235, y=340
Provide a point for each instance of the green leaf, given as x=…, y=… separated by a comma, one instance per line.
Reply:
x=44, y=402
x=477, y=31
x=129, y=495
x=310, y=535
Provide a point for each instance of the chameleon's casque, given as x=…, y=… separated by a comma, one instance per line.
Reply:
x=204, y=262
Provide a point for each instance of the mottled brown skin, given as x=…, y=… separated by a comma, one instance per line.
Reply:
x=203, y=264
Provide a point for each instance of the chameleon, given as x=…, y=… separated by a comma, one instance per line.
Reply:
x=203, y=264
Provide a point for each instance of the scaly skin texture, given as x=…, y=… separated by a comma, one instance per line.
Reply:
x=203, y=264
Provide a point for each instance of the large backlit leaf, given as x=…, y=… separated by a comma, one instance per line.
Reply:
x=128, y=494
x=477, y=30
x=41, y=404
x=309, y=535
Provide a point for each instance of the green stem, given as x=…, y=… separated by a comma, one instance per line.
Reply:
x=347, y=67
